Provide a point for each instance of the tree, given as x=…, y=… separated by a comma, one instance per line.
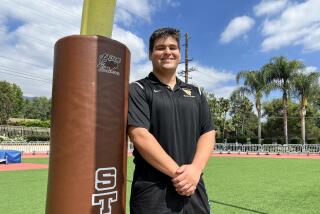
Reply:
x=240, y=112
x=37, y=108
x=219, y=109
x=11, y=100
x=273, y=127
x=212, y=103
x=254, y=84
x=224, y=105
x=280, y=71
x=304, y=88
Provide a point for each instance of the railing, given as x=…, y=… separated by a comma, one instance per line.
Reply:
x=44, y=147
x=34, y=147
x=14, y=131
x=27, y=147
x=268, y=148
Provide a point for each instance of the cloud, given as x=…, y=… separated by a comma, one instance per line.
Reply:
x=173, y=3
x=311, y=69
x=129, y=10
x=133, y=42
x=27, y=51
x=139, y=71
x=269, y=7
x=28, y=31
x=237, y=27
x=221, y=83
x=211, y=79
x=298, y=24
x=26, y=56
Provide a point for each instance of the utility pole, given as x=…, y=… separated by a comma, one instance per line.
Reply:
x=186, y=76
x=185, y=72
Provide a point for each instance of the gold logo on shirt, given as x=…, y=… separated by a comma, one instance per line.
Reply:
x=187, y=91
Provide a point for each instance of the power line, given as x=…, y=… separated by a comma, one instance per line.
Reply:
x=27, y=75
x=17, y=71
x=24, y=62
x=23, y=7
x=37, y=40
x=22, y=75
x=58, y=8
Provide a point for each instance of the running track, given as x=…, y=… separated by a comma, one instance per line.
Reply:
x=28, y=166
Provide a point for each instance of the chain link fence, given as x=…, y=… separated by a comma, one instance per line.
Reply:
x=32, y=147
x=44, y=147
x=21, y=131
x=268, y=148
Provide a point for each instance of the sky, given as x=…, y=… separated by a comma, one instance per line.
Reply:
x=226, y=36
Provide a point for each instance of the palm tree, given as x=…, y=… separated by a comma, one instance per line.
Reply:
x=305, y=87
x=280, y=71
x=224, y=105
x=254, y=84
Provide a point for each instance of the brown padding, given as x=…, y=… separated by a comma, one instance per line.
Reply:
x=88, y=150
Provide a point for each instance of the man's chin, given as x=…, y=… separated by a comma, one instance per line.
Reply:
x=167, y=70
x=169, y=67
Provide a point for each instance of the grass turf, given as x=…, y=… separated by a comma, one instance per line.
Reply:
x=234, y=185
x=36, y=160
x=23, y=192
x=263, y=185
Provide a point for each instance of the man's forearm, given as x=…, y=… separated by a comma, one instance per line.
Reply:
x=204, y=150
x=188, y=175
x=151, y=151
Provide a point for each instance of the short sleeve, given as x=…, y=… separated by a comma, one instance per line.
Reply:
x=138, y=110
x=205, y=120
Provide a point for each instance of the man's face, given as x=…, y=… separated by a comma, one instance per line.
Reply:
x=165, y=55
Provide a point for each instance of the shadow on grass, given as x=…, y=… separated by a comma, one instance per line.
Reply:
x=234, y=206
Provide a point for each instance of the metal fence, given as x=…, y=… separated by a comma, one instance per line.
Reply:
x=268, y=148
x=27, y=147
x=44, y=147
x=34, y=147
x=21, y=131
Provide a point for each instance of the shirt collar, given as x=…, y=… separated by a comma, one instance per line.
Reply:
x=155, y=80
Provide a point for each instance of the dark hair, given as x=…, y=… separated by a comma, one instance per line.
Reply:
x=163, y=33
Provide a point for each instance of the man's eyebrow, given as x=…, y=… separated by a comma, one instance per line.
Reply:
x=170, y=45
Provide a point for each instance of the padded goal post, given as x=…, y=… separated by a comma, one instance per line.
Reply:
x=88, y=148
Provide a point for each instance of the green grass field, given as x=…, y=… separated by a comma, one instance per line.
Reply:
x=235, y=185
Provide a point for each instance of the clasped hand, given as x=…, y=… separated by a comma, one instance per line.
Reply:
x=186, y=179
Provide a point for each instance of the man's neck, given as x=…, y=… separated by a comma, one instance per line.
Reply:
x=168, y=78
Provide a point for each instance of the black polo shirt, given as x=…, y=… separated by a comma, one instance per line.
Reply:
x=175, y=117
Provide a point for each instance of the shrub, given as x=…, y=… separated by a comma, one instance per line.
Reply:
x=295, y=141
x=219, y=140
x=267, y=141
x=12, y=139
x=34, y=123
x=37, y=138
x=280, y=141
x=243, y=140
x=312, y=141
x=3, y=138
x=231, y=140
x=254, y=140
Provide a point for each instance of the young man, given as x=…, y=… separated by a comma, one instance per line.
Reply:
x=170, y=126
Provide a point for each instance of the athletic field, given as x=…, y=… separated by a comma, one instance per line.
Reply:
x=234, y=184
